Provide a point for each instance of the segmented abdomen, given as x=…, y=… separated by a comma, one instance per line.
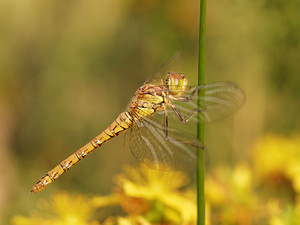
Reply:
x=121, y=123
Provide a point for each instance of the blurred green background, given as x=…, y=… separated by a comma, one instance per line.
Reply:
x=68, y=68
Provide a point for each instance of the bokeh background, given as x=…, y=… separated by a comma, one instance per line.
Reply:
x=68, y=68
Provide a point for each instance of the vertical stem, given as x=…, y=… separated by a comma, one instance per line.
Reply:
x=200, y=127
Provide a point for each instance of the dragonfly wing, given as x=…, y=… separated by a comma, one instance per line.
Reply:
x=147, y=137
x=219, y=100
x=159, y=77
x=148, y=143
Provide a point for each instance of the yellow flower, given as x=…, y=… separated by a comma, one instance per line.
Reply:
x=66, y=209
x=72, y=208
x=225, y=184
x=242, y=178
x=276, y=156
x=130, y=220
x=229, y=196
x=215, y=192
x=147, y=196
x=103, y=201
x=290, y=215
x=163, y=187
x=276, y=221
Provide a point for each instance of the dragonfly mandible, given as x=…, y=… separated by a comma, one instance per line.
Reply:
x=151, y=141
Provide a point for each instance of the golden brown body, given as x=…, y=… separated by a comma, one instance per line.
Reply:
x=150, y=141
x=148, y=99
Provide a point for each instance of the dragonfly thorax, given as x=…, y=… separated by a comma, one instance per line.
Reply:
x=176, y=83
x=147, y=100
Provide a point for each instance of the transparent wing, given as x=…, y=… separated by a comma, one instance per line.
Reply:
x=160, y=76
x=148, y=143
x=220, y=100
x=147, y=138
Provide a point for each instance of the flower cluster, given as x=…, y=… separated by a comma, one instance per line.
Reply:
x=145, y=196
x=263, y=191
x=159, y=196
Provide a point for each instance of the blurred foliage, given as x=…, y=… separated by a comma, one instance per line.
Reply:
x=67, y=68
x=144, y=195
x=265, y=191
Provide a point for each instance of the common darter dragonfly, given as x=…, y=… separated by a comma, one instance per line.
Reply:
x=152, y=141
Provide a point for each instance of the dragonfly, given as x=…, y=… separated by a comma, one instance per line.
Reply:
x=151, y=140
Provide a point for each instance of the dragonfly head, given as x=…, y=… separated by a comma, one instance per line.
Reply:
x=176, y=83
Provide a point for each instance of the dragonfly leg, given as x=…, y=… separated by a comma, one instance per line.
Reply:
x=168, y=138
x=166, y=123
x=185, y=118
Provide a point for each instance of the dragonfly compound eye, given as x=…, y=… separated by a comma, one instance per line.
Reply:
x=177, y=83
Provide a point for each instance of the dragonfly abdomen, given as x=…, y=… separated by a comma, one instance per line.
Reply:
x=122, y=123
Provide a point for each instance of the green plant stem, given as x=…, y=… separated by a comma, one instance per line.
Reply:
x=200, y=127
